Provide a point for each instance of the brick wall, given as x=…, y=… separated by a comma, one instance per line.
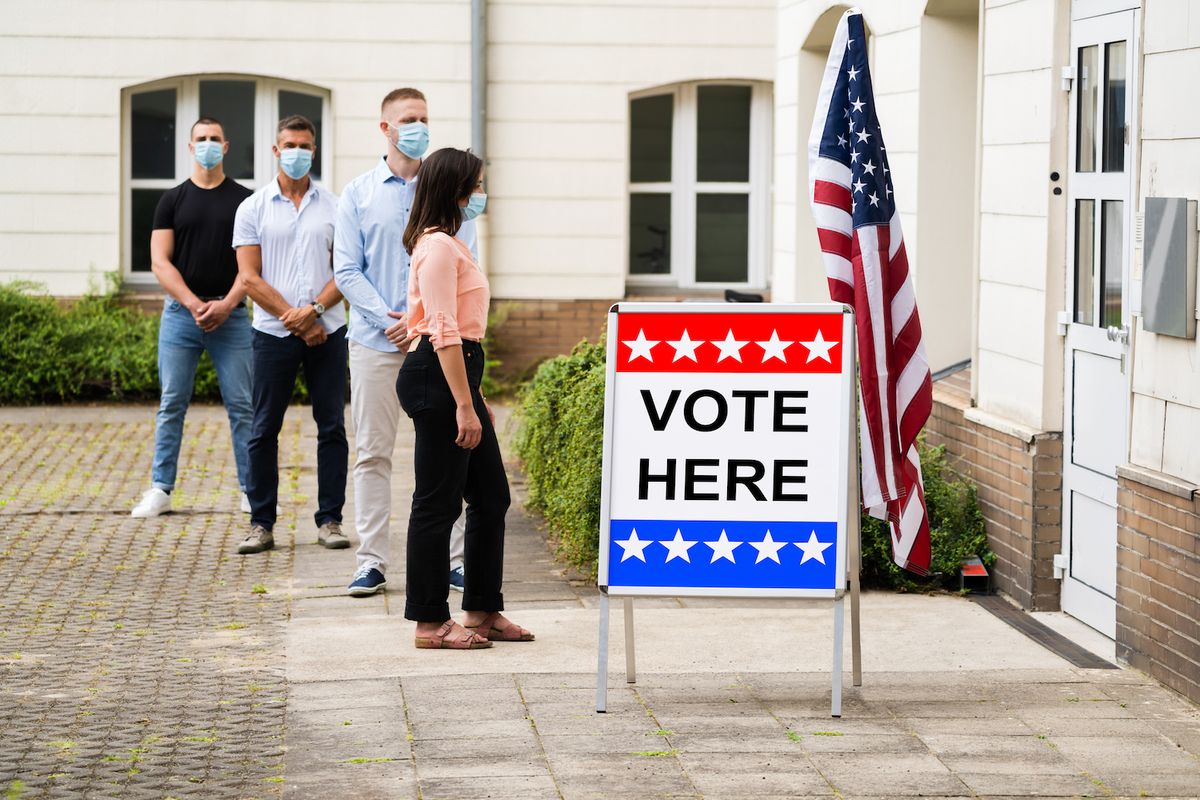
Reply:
x=531, y=331
x=1158, y=579
x=1019, y=475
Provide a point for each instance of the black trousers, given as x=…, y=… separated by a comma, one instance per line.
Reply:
x=276, y=362
x=446, y=474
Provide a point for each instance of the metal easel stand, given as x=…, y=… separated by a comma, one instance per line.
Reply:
x=602, y=660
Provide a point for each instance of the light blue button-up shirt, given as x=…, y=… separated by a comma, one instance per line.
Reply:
x=369, y=260
x=296, y=245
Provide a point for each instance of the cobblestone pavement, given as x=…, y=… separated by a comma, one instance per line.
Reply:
x=138, y=658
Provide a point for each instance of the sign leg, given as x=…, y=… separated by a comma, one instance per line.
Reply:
x=839, y=622
x=602, y=659
x=855, y=544
x=630, y=660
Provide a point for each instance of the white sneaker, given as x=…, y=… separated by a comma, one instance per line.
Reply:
x=153, y=503
x=245, y=503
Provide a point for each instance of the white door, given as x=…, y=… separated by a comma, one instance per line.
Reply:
x=1101, y=201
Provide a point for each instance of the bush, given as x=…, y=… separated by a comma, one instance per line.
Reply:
x=560, y=440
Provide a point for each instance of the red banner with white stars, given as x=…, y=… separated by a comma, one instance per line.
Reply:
x=729, y=343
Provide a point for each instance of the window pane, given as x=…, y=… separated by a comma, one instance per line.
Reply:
x=152, y=124
x=650, y=138
x=649, y=234
x=1085, y=259
x=723, y=133
x=1112, y=235
x=309, y=106
x=1088, y=80
x=722, y=238
x=232, y=103
x=141, y=212
x=1114, y=107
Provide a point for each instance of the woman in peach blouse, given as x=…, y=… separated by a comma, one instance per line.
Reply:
x=457, y=456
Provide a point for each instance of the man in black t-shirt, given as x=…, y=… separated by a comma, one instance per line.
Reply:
x=192, y=256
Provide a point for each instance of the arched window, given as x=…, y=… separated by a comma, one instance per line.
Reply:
x=699, y=185
x=157, y=118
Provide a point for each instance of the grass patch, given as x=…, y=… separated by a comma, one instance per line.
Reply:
x=657, y=753
x=368, y=760
x=795, y=737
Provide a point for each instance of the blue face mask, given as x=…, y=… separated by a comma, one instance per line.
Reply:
x=295, y=162
x=208, y=154
x=475, y=206
x=412, y=139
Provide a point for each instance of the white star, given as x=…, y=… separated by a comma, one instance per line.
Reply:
x=640, y=347
x=851, y=123
x=853, y=156
x=773, y=348
x=863, y=136
x=858, y=185
x=677, y=547
x=813, y=549
x=869, y=167
x=858, y=105
x=685, y=347
x=819, y=348
x=888, y=189
x=723, y=548
x=841, y=140
x=885, y=169
x=853, y=73
x=848, y=43
x=874, y=198
x=767, y=548
x=634, y=547
x=730, y=348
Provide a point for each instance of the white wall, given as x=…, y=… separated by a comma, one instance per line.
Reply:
x=1165, y=422
x=560, y=77
x=561, y=74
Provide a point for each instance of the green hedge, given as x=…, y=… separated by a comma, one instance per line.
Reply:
x=95, y=348
x=560, y=437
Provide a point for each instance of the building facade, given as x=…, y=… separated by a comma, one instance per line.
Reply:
x=659, y=149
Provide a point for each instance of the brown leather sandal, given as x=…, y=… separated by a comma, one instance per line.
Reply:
x=512, y=633
x=441, y=640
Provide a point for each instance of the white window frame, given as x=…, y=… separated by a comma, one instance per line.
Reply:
x=684, y=188
x=187, y=111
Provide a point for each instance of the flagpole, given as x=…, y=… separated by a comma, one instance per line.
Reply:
x=854, y=526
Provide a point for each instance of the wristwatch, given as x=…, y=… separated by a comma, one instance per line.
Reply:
x=317, y=307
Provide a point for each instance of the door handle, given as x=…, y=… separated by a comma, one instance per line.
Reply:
x=1116, y=333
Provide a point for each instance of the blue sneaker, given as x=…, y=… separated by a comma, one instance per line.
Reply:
x=367, y=581
x=456, y=579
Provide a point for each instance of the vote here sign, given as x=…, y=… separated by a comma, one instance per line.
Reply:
x=727, y=437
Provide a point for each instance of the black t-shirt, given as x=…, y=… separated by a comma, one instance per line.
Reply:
x=203, y=223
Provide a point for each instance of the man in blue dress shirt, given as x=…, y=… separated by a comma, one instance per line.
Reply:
x=371, y=269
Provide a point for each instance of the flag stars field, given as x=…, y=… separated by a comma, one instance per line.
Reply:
x=723, y=548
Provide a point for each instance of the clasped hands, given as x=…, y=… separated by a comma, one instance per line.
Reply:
x=303, y=322
x=210, y=314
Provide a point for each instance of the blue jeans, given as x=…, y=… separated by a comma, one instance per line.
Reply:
x=180, y=343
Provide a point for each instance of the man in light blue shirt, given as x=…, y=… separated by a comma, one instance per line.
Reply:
x=371, y=269
x=283, y=234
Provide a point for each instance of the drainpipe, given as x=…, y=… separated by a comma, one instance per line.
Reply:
x=479, y=108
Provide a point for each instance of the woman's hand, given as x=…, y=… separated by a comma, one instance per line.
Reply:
x=470, y=429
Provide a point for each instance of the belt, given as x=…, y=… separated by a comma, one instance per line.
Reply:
x=212, y=298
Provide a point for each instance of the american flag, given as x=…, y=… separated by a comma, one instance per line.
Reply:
x=859, y=230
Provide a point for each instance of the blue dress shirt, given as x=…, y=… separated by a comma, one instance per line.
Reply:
x=370, y=264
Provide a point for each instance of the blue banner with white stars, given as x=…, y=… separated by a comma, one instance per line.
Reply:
x=689, y=554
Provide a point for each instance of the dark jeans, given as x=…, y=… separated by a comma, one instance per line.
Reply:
x=446, y=474
x=276, y=362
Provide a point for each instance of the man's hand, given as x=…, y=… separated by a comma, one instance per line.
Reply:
x=398, y=333
x=198, y=308
x=314, y=334
x=297, y=320
x=213, y=316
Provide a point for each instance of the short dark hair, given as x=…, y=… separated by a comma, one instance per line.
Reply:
x=296, y=122
x=445, y=177
x=406, y=93
x=206, y=121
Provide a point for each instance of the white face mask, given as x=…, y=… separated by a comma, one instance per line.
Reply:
x=412, y=139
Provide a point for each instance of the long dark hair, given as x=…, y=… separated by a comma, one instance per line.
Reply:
x=445, y=177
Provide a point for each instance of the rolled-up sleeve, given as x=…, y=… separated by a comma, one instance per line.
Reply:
x=436, y=270
x=348, y=264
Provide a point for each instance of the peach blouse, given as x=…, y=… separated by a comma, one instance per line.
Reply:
x=447, y=293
